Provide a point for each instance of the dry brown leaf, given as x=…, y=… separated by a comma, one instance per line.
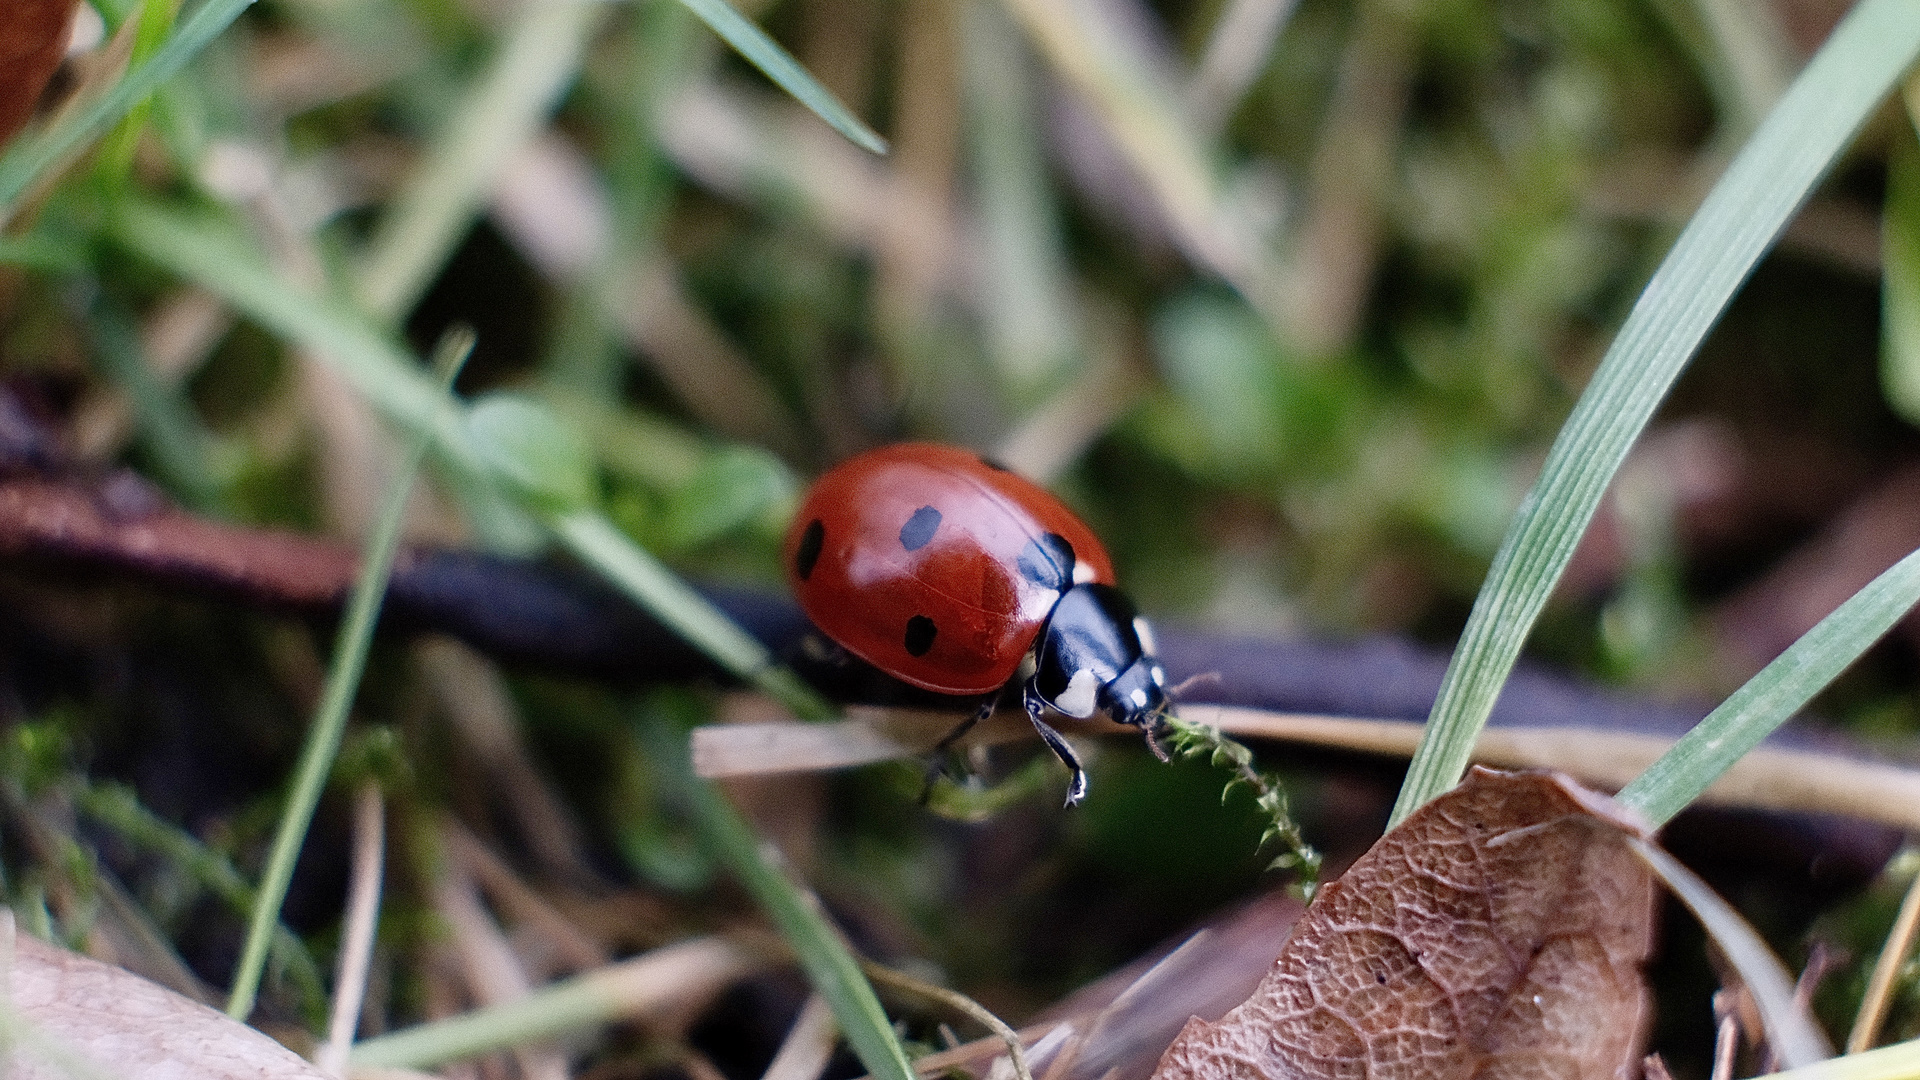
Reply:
x=33, y=38
x=1498, y=932
x=82, y=1018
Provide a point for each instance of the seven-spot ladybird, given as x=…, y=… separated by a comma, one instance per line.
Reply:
x=950, y=573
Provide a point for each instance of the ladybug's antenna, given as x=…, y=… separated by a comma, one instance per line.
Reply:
x=1179, y=689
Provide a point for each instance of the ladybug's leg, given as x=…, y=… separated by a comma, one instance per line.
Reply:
x=1077, y=780
x=985, y=710
x=937, y=760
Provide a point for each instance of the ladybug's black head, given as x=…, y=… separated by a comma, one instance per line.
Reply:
x=1096, y=655
x=1138, y=695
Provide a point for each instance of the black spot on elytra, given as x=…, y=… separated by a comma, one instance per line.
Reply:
x=809, y=553
x=1047, y=561
x=919, y=528
x=920, y=634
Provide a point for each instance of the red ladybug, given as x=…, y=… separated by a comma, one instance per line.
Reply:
x=949, y=572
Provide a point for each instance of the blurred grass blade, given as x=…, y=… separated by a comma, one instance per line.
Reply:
x=42, y=253
x=115, y=160
x=835, y=975
x=1026, y=299
x=628, y=991
x=433, y=210
x=1881, y=985
x=343, y=682
x=1770, y=698
x=27, y=159
x=184, y=452
x=764, y=53
x=1743, y=56
x=1140, y=109
x=1737, y=223
x=1238, y=48
x=215, y=255
x=1900, y=281
x=1790, y=1032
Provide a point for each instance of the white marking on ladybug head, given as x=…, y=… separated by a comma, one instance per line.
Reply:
x=1145, y=633
x=1078, y=698
x=1159, y=676
x=1082, y=572
x=1139, y=698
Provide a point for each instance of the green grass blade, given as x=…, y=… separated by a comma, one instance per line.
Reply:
x=183, y=451
x=330, y=719
x=777, y=64
x=1031, y=322
x=29, y=158
x=1737, y=223
x=1770, y=698
x=115, y=160
x=835, y=974
x=595, y=541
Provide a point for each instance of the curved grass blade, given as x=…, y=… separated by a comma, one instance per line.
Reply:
x=29, y=158
x=777, y=64
x=1791, y=1032
x=1738, y=222
x=1770, y=698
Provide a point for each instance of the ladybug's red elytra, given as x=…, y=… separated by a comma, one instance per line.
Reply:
x=949, y=572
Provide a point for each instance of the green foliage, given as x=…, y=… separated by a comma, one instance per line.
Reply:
x=532, y=451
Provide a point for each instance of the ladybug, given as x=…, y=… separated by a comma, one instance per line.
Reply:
x=953, y=574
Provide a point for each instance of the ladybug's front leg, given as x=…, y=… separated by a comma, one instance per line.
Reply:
x=1077, y=782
